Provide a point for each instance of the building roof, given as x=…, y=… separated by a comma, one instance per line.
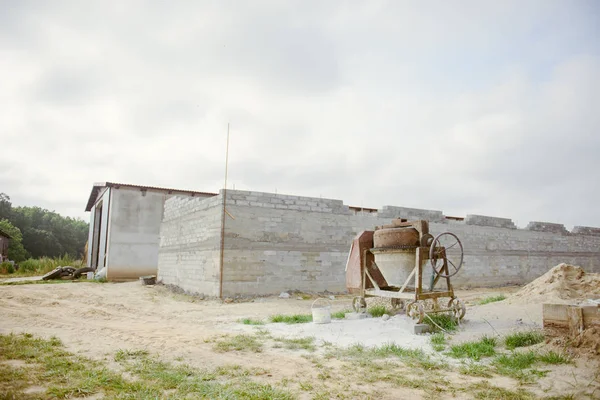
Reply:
x=2, y=233
x=100, y=185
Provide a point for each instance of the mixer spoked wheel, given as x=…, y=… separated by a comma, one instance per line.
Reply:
x=359, y=305
x=446, y=254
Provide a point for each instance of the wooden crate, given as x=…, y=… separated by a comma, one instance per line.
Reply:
x=560, y=319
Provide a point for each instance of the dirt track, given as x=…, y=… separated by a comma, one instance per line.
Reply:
x=98, y=319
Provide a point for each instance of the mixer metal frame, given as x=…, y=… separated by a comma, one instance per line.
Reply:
x=418, y=300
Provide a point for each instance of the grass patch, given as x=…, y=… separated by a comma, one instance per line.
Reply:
x=291, y=319
x=445, y=321
x=523, y=339
x=239, y=343
x=377, y=311
x=484, y=347
x=307, y=343
x=64, y=375
x=411, y=357
x=492, y=299
x=340, y=314
x=554, y=358
x=438, y=341
x=475, y=369
x=483, y=390
x=517, y=365
x=250, y=321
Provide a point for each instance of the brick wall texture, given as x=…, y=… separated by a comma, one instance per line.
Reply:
x=278, y=242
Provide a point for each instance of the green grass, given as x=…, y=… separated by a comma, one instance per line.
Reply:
x=485, y=347
x=446, y=321
x=307, y=343
x=411, y=357
x=475, y=369
x=291, y=319
x=239, y=343
x=340, y=314
x=438, y=341
x=40, y=266
x=485, y=391
x=523, y=339
x=517, y=365
x=250, y=321
x=492, y=299
x=64, y=375
x=377, y=311
x=554, y=358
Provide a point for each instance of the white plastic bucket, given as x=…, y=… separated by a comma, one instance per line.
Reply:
x=321, y=315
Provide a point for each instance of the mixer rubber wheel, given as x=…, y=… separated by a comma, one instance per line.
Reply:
x=458, y=308
x=397, y=303
x=359, y=305
x=416, y=311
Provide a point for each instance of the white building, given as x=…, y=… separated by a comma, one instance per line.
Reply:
x=124, y=227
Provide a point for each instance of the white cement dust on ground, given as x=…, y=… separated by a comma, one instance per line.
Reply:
x=369, y=332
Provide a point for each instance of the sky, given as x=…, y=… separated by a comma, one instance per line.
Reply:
x=468, y=107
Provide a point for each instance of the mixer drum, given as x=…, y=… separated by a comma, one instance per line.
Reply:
x=395, y=255
x=395, y=237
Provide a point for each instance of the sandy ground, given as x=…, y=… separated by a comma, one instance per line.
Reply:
x=98, y=319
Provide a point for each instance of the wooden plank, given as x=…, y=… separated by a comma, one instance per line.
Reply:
x=575, y=318
x=555, y=315
x=591, y=316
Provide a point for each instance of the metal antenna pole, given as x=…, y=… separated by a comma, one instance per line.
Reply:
x=223, y=219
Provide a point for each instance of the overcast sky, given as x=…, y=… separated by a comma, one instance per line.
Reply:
x=469, y=107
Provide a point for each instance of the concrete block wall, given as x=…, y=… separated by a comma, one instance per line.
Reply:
x=189, y=249
x=277, y=242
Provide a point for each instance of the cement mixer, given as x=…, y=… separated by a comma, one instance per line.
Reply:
x=391, y=262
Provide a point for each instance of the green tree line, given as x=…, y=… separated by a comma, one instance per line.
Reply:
x=37, y=232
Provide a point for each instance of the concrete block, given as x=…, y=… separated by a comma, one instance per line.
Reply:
x=419, y=329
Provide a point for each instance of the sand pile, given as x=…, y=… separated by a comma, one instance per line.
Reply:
x=562, y=284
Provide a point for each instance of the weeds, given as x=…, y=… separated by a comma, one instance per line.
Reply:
x=483, y=390
x=297, y=344
x=445, y=321
x=64, y=375
x=410, y=357
x=475, y=369
x=239, y=343
x=554, y=358
x=340, y=314
x=250, y=321
x=40, y=266
x=485, y=347
x=377, y=311
x=523, y=339
x=492, y=299
x=291, y=319
x=438, y=341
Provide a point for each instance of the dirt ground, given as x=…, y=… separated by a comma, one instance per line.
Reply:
x=96, y=320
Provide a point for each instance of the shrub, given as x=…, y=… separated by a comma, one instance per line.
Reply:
x=7, y=268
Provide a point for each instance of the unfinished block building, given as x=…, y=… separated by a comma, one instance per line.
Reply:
x=272, y=242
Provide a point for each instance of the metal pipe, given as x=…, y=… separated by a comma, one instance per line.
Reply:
x=223, y=219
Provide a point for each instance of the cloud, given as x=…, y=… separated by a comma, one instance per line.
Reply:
x=468, y=107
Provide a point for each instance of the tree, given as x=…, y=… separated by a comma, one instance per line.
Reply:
x=16, y=251
x=5, y=207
